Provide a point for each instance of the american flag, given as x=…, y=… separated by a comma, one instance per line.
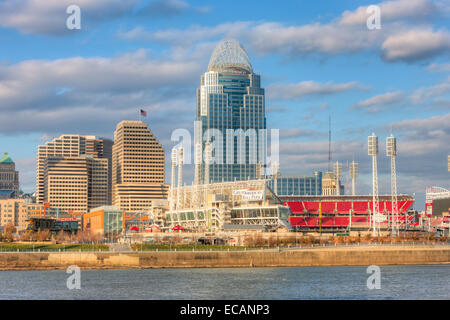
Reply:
x=143, y=113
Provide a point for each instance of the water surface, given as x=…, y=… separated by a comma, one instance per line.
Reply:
x=397, y=282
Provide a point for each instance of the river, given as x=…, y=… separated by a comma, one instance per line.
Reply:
x=397, y=282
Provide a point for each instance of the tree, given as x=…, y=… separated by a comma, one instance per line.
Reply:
x=43, y=235
x=9, y=228
x=26, y=236
x=61, y=236
x=8, y=232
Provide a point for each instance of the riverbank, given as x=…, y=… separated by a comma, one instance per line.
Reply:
x=305, y=257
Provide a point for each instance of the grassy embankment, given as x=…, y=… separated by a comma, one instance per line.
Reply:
x=52, y=247
x=186, y=247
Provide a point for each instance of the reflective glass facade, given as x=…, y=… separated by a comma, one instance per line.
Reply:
x=231, y=116
x=298, y=185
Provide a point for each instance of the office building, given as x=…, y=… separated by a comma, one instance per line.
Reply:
x=76, y=184
x=9, y=178
x=137, y=167
x=68, y=146
x=230, y=118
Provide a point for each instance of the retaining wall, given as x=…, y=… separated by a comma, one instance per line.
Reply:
x=219, y=259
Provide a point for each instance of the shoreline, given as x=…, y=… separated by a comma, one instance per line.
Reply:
x=304, y=257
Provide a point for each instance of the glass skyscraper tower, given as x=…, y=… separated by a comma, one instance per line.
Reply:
x=230, y=128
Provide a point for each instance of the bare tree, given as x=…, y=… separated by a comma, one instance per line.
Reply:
x=8, y=232
x=61, y=236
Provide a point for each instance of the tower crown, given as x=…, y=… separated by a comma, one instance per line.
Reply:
x=230, y=56
x=6, y=159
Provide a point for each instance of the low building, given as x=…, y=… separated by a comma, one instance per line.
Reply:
x=436, y=200
x=211, y=207
x=14, y=211
x=441, y=207
x=106, y=220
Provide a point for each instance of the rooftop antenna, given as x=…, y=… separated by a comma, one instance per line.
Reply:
x=329, y=143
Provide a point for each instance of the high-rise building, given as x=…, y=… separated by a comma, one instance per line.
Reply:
x=68, y=146
x=9, y=178
x=107, y=153
x=230, y=117
x=76, y=184
x=137, y=167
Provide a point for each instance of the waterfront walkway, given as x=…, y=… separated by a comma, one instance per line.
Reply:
x=126, y=248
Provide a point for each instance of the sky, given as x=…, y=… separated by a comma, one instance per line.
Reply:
x=316, y=59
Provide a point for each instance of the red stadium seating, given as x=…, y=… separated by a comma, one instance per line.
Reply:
x=344, y=206
x=306, y=213
x=296, y=207
x=328, y=206
x=311, y=206
x=360, y=206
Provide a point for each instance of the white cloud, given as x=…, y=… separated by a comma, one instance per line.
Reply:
x=308, y=88
x=347, y=34
x=300, y=133
x=392, y=11
x=49, y=16
x=444, y=67
x=378, y=102
x=186, y=37
x=431, y=93
x=71, y=81
x=415, y=45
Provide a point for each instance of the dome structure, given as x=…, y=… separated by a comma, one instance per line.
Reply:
x=230, y=55
x=6, y=159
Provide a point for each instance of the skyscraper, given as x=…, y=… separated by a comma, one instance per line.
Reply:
x=76, y=184
x=9, y=177
x=67, y=145
x=230, y=118
x=137, y=167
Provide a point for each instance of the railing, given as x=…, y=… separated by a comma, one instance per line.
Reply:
x=239, y=249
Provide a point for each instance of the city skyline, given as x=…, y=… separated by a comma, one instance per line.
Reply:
x=149, y=55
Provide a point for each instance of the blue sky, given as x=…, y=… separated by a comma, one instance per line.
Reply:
x=315, y=58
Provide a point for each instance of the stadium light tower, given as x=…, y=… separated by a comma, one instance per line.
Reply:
x=353, y=175
x=338, y=172
x=376, y=216
x=391, y=151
